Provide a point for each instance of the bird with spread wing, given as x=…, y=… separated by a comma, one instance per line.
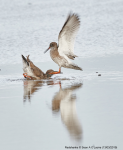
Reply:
x=64, y=51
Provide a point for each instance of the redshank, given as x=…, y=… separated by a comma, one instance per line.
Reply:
x=62, y=52
x=32, y=72
x=65, y=102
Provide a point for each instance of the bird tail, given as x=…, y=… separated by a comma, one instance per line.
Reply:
x=25, y=60
x=25, y=64
x=74, y=66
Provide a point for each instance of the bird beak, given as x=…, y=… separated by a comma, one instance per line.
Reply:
x=46, y=50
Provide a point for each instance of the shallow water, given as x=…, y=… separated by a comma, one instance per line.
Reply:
x=75, y=108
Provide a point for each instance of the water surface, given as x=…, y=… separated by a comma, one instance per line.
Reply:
x=76, y=108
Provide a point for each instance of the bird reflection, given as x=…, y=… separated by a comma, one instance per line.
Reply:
x=65, y=101
x=32, y=86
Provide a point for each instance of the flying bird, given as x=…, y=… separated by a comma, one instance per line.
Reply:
x=62, y=52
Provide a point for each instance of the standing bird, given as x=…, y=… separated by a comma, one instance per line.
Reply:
x=64, y=51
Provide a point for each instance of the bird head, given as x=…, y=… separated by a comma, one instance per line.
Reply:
x=51, y=46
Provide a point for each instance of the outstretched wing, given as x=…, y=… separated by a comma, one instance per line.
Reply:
x=67, y=36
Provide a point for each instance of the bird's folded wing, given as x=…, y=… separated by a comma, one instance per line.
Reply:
x=30, y=68
x=67, y=36
x=35, y=70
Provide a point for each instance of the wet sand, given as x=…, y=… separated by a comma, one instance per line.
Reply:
x=76, y=108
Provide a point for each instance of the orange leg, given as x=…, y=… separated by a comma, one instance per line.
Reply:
x=56, y=72
x=25, y=75
x=58, y=83
x=52, y=83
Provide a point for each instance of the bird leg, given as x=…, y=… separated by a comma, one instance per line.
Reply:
x=26, y=76
x=52, y=83
x=56, y=72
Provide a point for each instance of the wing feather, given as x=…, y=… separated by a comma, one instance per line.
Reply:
x=30, y=68
x=67, y=36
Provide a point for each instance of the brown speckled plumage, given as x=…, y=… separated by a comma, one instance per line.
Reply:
x=33, y=71
x=64, y=51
